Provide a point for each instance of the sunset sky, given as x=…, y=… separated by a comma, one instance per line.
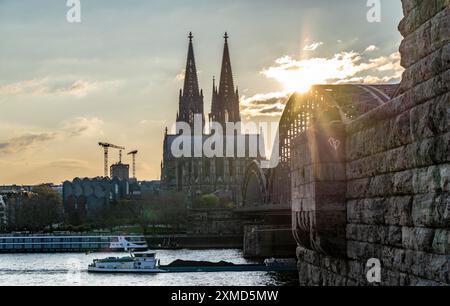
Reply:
x=115, y=76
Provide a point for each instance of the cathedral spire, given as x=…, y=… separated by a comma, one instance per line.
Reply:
x=226, y=87
x=227, y=98
x=191, y=98
x=215, y=107
x=191, y=88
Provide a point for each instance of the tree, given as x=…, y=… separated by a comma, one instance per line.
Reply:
x=149, y=217
x=47, y=206
x=36, y=211
x=170, y=209
x=207, y=201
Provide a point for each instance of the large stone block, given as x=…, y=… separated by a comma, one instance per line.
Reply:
x=429, y=37
x=362, y=250
x=391, y=278
x=409, y=5
x=374, y=210
x=419, y=14
x=431, y=118
x=402, y=183
x=398, y=211
x=357, y=188
x=429, y=89
x=438, y=268
x=432, y=151
x=425, y=69
x=418, y=239
x=431, y=210
x=379, y=234
x=308, y=256
x=380, y=185
x=441, y=242
x=426, y=179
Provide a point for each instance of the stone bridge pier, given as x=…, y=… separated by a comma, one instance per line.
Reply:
x=376, y=186
x=267, y=226
x=364, y=173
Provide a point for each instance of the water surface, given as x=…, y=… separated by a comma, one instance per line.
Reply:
x=70, y=269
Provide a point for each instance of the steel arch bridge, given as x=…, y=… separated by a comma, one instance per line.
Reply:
x=269, y=190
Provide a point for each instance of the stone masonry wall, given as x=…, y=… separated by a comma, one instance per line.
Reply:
x=398, y=170
x=214, y=222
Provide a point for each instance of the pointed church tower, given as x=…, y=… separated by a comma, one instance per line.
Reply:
x=191, y=98
x=225, y=104
x=215, y=107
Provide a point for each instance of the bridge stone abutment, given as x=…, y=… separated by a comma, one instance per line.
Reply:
x=390, y=178
x=318, y=188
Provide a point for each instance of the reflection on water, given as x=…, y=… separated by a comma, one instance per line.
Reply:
x=71, y=269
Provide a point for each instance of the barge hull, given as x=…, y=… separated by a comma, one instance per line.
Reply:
x=200, y=269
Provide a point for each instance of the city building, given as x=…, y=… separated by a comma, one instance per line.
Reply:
x=121, y=171
x=3, y=219
x=86, y=199
x=150, y=187
x=15, y=188
x=199, y=175
x=29, y=188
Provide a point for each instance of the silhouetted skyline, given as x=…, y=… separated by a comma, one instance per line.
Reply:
x=116, y=75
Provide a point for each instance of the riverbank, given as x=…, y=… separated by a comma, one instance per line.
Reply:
x=186, y=241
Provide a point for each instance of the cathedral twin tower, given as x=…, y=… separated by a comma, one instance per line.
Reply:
x=225, y=100
x=195, y=175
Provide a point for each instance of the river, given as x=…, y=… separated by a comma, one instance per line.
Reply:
x=69, y=269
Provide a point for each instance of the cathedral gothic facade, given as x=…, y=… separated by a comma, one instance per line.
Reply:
x=220, y=175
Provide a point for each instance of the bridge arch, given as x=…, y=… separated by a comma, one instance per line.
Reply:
x=307, y=188
x=255, y=186
x=322, y=103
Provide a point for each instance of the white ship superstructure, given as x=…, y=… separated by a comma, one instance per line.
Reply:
x=139, y=262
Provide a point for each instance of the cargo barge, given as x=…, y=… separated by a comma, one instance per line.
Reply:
x=146, y=262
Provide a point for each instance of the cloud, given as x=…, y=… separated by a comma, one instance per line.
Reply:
x=25, y=141
x=32, y=87
x=44, y=87
x=371, y=48
x=77, y=127
x=313, y=46
x=180, y=76
x=269, y=104
x=83, y=126
x=79, y=88
x=299, y=75
x=152, y=122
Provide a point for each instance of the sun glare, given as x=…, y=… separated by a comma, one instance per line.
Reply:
x=293, y=86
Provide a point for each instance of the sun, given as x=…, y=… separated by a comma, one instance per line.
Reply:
x=294, y=85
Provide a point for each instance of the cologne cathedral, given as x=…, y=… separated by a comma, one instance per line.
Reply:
x=220, y=175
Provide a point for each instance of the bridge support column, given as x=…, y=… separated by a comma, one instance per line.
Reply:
x=318, y=189
x=264, y=241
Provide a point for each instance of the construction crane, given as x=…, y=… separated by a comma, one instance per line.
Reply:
x=106, y=147
x=133, y=154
